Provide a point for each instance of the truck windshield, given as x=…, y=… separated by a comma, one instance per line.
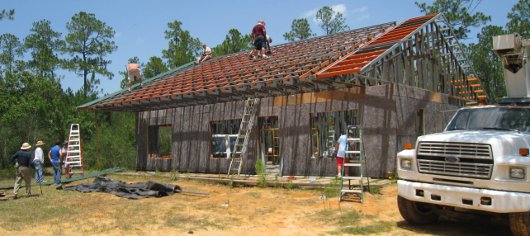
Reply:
x=492, y=118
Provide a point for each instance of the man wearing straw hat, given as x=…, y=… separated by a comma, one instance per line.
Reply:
x=38, y=161
x=22, y=160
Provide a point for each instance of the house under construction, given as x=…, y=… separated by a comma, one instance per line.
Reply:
x=396, y=81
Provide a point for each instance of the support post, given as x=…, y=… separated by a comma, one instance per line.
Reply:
x=97, y=139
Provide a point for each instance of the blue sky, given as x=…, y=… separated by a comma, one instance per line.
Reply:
x=140, y=25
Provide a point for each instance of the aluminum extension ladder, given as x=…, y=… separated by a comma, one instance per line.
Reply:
x=352, y=187
x=74, y=160
x=243, y=136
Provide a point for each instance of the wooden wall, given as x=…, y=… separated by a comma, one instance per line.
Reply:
x=388, y=120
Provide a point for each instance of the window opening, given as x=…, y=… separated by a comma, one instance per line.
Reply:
x=326, y=127
x=270, y=142
x=160, y=141
x=224, y=135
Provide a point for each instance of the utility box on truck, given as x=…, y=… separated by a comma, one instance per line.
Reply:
x=480, y=163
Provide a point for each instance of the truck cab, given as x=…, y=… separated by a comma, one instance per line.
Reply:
x=480, y=163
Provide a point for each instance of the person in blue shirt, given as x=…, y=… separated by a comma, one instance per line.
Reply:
x=55, y=157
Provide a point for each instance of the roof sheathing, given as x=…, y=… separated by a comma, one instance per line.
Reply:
x=235, y=76
x=87, y=105
x=308, y=65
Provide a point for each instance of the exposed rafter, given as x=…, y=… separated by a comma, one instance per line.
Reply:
x=419, y=52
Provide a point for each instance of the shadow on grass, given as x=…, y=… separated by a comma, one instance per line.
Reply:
x=468, y=227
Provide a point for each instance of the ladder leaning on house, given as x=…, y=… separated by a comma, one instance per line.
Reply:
x=74, y=161
x=354, y=158
x=243, y=136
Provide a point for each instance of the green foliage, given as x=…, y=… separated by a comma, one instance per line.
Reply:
x=300, y=30
x=331, y=21
x=124, y=74
x=182, y=48
x=374, y=189
x=33, y=106
x=374, y=228
x=348, y=222
x=134, y=59
x=9, y=14
x=458, y=12
x=44, y=44
x=88, y=41
x=7, y=173
x=519, y=19
x=276, y=181
x=116, y=140
x=234, y=42
x=32, y=113
x=154, y=67
x=290, y=184
x=10, y=50
x=332, y=190
x=174, y=174
x=488, y=65
x=231, y=181
x=349, y=217
x=260, y=170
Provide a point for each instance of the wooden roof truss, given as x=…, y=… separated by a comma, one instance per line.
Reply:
x=420, y=52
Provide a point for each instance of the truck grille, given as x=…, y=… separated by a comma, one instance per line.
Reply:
x=455, y=159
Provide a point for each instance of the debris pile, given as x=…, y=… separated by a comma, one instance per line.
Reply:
x=130, y=191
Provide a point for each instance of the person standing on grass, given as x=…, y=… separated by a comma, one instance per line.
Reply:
x=38, y=162
x=22, y=161
x=64, y=151
x=55, y=157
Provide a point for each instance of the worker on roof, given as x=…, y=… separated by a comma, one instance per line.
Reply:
x=259, y=40
x=206, y=54
x=133, y=73
x=269, y=41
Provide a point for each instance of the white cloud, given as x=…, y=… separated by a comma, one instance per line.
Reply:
x=340, y=8
x=311, y=14
x=118, y=34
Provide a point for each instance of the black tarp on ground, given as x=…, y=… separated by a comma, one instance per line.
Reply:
x=122, y=189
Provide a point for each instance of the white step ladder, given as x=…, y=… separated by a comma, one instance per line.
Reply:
x=74, y=161
x=354, y=158
x=243, y=136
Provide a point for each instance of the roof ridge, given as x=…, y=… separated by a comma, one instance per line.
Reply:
x=309, y=39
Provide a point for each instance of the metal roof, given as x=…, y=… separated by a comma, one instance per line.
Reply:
x=303, y=66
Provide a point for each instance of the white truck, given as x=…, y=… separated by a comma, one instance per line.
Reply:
x=480, y=163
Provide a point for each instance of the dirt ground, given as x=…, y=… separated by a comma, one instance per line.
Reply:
x=223, y=211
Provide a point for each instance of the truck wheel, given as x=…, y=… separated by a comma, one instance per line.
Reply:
x=520, y=223
x=416, y=213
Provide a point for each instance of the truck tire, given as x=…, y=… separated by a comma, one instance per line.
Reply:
x=520, y=223
x=416, y=213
